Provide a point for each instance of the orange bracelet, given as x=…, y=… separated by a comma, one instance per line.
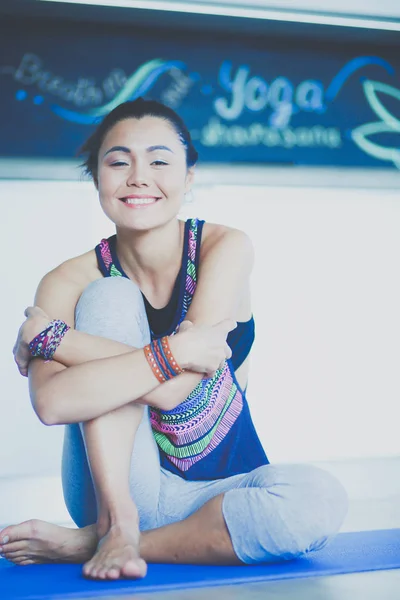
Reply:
x=148, y=352
x=161, y=360
x=172, y=364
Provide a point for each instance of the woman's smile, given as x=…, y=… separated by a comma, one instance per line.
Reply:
x=139, y=201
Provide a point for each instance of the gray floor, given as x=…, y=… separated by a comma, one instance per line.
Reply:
x=373, y=486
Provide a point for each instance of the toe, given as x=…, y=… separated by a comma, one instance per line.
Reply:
x=13, y=547
x=23, y=531
x=13, y=555
x=5, y=535
x=114, y=573
x=99, y=574
x=19, y=559
x=87, y=569
x=135, y=568
x=93, y=569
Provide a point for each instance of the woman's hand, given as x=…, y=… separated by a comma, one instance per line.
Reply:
x=36, y=321
x=202, y=348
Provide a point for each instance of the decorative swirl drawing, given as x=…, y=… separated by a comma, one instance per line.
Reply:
x=351, y=67
x=388, y=124
x=137, y=84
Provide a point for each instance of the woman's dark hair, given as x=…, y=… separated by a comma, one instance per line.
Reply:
x=135, y=109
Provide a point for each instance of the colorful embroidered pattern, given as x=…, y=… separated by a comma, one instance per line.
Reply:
x=194, y=428
x=191, y=275
x=107, y=259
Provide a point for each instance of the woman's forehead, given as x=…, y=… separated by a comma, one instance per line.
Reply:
x=147, y=130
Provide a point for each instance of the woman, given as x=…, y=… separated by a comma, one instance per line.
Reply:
x=144, y=363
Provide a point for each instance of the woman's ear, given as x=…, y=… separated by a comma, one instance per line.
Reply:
x=189, y=179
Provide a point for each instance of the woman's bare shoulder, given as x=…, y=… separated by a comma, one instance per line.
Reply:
x=215, y=233
x=78, y=271
x=60, y=289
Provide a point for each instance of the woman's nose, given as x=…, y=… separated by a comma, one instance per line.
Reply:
x=138, y=176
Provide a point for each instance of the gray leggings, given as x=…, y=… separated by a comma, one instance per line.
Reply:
x=275, y=512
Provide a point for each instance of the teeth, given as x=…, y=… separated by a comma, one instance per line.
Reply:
x=139, y=200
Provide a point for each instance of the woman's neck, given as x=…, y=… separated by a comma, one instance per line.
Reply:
x=151, y=257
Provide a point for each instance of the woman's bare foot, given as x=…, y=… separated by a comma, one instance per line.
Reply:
x=34, y=542
x=117, y=554
x=37, y=542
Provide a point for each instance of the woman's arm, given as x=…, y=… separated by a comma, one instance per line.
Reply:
x=94, y=388
x=61, y=395
x=226, y=263
x=57, y=295
x=78, y=348
x=88, y=390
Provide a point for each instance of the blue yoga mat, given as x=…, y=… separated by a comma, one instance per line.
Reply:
x=347, y=553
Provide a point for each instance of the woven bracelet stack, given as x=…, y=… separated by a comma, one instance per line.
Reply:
x=161, y=360
x=46, y=343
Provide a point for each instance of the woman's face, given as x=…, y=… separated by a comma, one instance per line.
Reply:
x=142, y=173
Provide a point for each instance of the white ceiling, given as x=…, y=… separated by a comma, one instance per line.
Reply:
x=376, y=8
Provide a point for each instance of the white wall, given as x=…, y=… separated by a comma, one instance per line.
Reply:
x=326, y=290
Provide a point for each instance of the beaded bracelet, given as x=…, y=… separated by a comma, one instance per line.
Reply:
x=161, y=360
x=46, y=343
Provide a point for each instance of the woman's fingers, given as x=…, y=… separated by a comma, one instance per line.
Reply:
x=225, y=326
x=206, y=347
x=23, y=371
x=35, y=311
x=22, y=364
x=185, y=325
x=21, y=354
x=29, y=311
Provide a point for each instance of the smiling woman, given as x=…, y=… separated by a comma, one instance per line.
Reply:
x=146, y=341
x=141, y=157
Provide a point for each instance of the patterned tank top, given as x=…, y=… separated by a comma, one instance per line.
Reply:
x=210, y=435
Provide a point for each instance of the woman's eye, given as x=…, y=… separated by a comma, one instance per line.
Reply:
x=159, y=163
x=118, y=163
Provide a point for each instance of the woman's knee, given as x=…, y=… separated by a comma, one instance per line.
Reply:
x=313, y=508
x=113, y=307
x=284, y=512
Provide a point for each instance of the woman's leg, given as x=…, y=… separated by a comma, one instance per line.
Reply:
x=283, y=512
x=101, y=489
x=272, y=514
